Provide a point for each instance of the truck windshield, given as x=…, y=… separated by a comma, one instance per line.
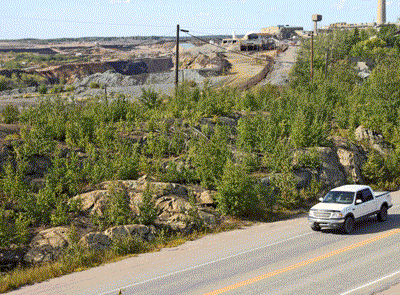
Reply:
x=339, y=197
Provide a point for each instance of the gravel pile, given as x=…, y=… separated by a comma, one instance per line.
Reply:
x=111, y=78
x=163, y=83
x=207, y=49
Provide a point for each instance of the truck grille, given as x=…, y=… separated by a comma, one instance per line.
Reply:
x=322, y=214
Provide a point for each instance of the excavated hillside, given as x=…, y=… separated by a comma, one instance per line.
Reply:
x=72, y=72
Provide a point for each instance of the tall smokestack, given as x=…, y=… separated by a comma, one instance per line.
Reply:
x=381, y=12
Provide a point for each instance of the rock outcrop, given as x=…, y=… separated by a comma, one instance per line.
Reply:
x=94, y=202
x=47, y=245
x=373, y=139
x=351, y=157
x=104, y=240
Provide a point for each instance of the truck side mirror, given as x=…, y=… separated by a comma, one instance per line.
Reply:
x=358, y=201
x=320, y=199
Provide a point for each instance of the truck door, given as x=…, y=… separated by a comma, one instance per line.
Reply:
x=370, y=202
x=360, y=209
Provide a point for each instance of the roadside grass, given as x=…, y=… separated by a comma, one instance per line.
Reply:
x=77, y=258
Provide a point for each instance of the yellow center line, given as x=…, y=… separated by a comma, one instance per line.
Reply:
x=303, y=263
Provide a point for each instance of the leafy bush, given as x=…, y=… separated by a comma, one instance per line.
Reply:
x=308, y=159
x=94, y=84
x=14, y=188
x=236, y=195
x=150, y=98
x=129, y=245
x=210, y=155
x=10, y=114
x=382, y=170
x=57, y=88
x=289, y=197
x=42, y=89
x=117, y=212
x=3, y=84
x=147, y=208
x=14, y=228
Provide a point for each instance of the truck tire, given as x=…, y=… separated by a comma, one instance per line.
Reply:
x=348, y=225
x=315, y=227
x=383, y=213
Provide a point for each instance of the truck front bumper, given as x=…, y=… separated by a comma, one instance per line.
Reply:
x=326, y=223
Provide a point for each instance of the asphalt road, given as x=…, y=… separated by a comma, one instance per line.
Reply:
x=284, y=257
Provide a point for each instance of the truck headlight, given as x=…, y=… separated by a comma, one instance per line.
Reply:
x=311, y=213
x=337, y=215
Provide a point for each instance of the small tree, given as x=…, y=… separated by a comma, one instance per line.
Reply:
x=148, y=209
x=236, y=195
x=10, y=114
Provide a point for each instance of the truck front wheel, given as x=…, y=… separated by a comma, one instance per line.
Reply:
x=348, y=225
x=315, y=227
x=383, y=213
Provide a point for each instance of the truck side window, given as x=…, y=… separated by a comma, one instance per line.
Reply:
x=367, y=195
x=359, y=196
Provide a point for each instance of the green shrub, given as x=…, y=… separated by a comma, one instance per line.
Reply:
x=289, y=197
x=34, y=141
x=94, y=84
x=70, y=88
x=383, y=171
x=258, y=133
x=147, y=208
x=119, y=211
x=57, y=88
x=14, y=188
x=268, y=199
x=149, y=98
x=3, y=84
x=14, y=228
x=10, y=114
x=209, y=156
x=309, y=159
x=129, y=245
x=177, y=173
x=42, y=89
x=236, y=195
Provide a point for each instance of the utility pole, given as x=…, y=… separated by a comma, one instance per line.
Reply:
x=312, y=57
x=326, y=62
x=177, y=59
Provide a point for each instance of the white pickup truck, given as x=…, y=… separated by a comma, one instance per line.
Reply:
x=344, y=205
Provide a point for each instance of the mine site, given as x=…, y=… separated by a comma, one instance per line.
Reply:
x=88, y=67
x=199, y=161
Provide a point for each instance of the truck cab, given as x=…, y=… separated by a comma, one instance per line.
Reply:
x=343, y=206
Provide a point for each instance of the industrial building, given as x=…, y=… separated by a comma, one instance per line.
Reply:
x=282, y=32
x=250, y=42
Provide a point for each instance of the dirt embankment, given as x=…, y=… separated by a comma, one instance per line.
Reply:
x=73, y=72
x=29, y=50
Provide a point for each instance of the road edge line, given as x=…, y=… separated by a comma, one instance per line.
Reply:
x=371, y=283
x=207, y=263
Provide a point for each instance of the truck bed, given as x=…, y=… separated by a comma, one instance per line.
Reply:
x=380, y=194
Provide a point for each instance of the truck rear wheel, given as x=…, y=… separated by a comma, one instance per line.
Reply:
x=383, y=213
x=348, y=225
